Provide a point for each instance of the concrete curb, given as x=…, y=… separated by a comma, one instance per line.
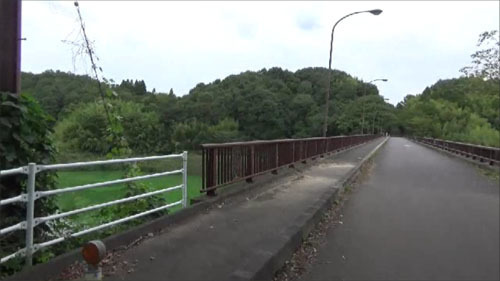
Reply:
x=120, y=240
x=264, y=262
x=468, y=159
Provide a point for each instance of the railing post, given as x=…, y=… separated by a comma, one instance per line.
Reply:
x=215, y=171
x=203, y=166
x=305, y=147
x=184, y=179
x=252, y=164
x=30, y=212
x=277, y=160
x=252, y=159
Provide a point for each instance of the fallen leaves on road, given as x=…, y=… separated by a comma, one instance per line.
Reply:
x=305, y=255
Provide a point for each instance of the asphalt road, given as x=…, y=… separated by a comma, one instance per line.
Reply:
x=420, y=215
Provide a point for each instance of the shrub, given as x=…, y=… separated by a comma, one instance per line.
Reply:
x=25, y=136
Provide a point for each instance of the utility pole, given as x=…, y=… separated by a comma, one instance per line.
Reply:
x=10, y=46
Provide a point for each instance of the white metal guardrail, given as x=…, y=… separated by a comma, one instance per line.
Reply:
x=31, y=195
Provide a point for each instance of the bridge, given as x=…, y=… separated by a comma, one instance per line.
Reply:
x=390, y=208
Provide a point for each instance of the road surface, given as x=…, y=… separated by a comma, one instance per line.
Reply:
x=222, y=243
x=420, y=215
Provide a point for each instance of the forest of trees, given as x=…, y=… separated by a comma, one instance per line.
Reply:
x=464, y=109
x=267, y=104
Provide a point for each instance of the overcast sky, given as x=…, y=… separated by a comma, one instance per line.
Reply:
x=179, y=44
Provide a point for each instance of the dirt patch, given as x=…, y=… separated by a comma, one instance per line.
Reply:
x=306, y=254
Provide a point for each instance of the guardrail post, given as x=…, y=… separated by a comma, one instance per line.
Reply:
x=203, y=166
x=30, y=212
x=252, y=164
x=275, y=171
x=214, y=171
x=184, y=179
x=303, y=151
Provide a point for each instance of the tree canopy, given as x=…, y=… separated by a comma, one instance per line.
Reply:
x=463, y=109
x=266, y=104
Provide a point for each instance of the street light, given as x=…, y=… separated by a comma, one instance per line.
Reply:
x=373, y=123
x=375, y=12
x=363, y=106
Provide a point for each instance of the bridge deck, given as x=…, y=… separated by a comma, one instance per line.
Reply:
x=420, y=215
x=213, y=245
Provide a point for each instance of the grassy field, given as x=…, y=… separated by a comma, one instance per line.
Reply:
x=78, y=199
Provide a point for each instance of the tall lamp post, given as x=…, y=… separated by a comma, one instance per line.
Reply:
x=363, y=106
x=327, y=96
x=373, y=123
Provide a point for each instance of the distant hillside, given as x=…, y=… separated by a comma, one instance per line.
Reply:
x=265, y=104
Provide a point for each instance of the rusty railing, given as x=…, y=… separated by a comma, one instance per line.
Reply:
x=227, y=163
x=476, y=152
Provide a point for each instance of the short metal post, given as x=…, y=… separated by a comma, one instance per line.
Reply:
x=184, y=179
x=30, y=212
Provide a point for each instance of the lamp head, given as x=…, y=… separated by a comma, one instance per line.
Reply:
x=385, y=80
x=375, y=12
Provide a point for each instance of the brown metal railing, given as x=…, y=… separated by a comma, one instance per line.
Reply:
x=226, y=163
x=476, y=152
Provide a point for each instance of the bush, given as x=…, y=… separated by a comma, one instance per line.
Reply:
x=84, y=130
x=25, y=137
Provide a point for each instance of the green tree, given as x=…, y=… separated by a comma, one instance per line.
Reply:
x=85, y=129
x=486, y=61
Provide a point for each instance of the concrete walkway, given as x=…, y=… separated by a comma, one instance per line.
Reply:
x=420, y=215
x=219, y=244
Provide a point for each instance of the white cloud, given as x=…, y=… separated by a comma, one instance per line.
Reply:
x=178, y=44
